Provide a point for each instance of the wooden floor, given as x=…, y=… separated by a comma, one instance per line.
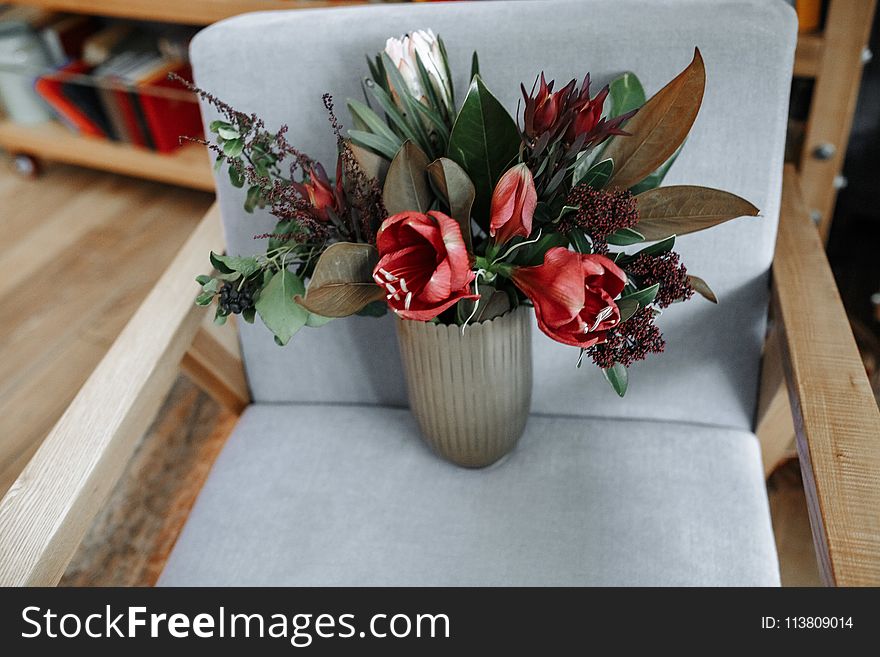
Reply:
x=78, y=251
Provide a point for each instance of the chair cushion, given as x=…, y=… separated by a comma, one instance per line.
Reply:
x=349, y=495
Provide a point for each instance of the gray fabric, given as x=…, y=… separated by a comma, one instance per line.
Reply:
x=279, y=64
x=349, y=495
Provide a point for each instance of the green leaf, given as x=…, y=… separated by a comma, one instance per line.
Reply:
x=643, y=297
x=219, y=318
x=342, y=283
x=236, y=177
x=212, y=285
x=252, y=198
x=248, y=314
x=203, y=279
x=595, y=176
x=627, y=308
x=618, y=378
x=682, y=209
x=228, y=264
x=663, y=246
x=315, y=321
x=218, y=163
x=579, y=241
x=626, y=94
x=393, y=113
x=234, y=147
x=406, y=184
x=372, y=121
x=228, y=132
x=375, y=143
x=401, y=90
x=279, y=312
x=457, y=190
x=625, y=237
x=475, y=65
x=656, y=178
x=533, y=254
x=204, y=298
x=214, y=126
x=484, y=142
x=702, y=288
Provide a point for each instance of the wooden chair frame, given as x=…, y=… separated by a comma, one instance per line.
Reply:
x=46, y=513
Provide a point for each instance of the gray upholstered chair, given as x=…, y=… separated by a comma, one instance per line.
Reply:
x=325, y=480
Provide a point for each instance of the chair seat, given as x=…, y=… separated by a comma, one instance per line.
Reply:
x=349, y=495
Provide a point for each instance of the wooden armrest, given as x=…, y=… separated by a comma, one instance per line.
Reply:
x=46, y=512
x=836, y=418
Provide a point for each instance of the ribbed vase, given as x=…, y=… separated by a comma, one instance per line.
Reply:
x=470, y=393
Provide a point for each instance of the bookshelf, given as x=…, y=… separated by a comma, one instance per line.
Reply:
x=189, y=166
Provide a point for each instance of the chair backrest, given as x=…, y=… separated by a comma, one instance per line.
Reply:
x=278, y=64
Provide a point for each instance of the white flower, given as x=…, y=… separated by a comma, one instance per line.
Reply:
x=425, y=46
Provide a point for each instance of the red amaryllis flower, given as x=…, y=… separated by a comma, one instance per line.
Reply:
x=573, y=295
x=423, y=264
x=321, y=194
x=513, y=204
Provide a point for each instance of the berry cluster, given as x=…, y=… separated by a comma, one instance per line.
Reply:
x=599, y=213
x=234, y=300
x=629, y=342
x=667, y=270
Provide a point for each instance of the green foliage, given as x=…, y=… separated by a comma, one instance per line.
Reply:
x=618, y=378
x=626, y=94
x=276, y=307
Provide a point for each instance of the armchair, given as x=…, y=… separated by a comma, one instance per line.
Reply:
x=324, y=480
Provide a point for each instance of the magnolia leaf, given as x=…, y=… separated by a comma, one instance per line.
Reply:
x=642, y=297
x=406, y=185
x=314, y=321
x=484, y=142
x=702, y=288
x=626, y=94
x=595, y=176
x=659, y=127
x=375, y=166
x=342, y=283
x=625, y=237
x=627, y=308
x=453, y=184
x=682, y=209
x=653, y=180
x=277, y=308
x=618, y=378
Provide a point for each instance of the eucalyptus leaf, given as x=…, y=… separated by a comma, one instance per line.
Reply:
x=252, y=198
x=618, y=378
x=406, y=184
x=248, y=314
x=204, y=298
x=484, y=142
x=276, y=307
x=228, y=132
x=228, y=264
x=236, y=177
x=234, y=147
x=315, y=321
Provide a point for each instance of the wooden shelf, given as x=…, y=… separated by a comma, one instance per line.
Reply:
x=808, y=55
x=192, y=12
x=188, y=167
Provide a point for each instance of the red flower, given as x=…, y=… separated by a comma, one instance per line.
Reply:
x=513, y=204
x=588, y=114
x=542, y=111
x=423, y=264
x=319, y=192
x=573, y=295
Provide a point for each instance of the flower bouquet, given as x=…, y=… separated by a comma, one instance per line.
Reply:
x=463, y=218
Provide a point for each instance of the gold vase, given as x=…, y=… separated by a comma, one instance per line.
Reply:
x=470, y=392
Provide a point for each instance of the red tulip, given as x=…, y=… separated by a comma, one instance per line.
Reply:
x=513, y=204
x=573, y=295
x=423, y=264
x=319, y=192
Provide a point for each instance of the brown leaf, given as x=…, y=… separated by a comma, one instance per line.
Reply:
x=457, y=189
x=659, y=127
x=702, y=288
x=375, y=166
x=681, y=209
x=342, y=283
x=406, y=185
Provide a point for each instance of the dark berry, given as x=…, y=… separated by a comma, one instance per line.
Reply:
x=234, y=300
